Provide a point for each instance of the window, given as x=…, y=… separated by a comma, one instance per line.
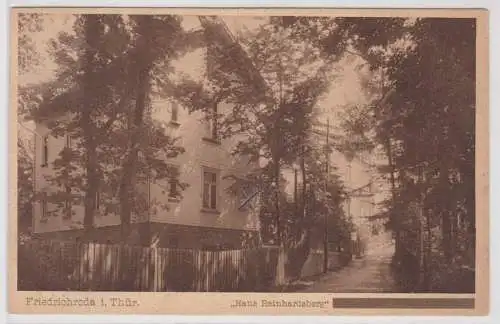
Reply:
x=173, y=184
x=174, y=113
x=172, y=190
x=45, y=151
x=210, y=190
x=170, y=185
x=68, y=140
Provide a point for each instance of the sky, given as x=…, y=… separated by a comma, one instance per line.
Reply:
x=344, y=90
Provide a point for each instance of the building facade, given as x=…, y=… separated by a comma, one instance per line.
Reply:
x=204, y=215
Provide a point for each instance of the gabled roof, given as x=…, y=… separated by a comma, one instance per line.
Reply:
x=217, y=32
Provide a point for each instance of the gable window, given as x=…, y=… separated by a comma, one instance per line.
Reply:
x=209, y=190
x=45, y=151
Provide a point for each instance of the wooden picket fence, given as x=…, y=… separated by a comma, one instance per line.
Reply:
x=56, y=266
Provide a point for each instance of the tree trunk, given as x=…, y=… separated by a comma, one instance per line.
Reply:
x=394, y=218
x=304, y=185
x=282, y=258
x=280, y=275
x=143, y=62
x=277, y=172
x=301, y=247
x=302, y=209
x=92, y=35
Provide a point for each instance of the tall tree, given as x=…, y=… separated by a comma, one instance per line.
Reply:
x=80, y=104
x=272, y=83
x=109, y=67
x=25, y=163
x=28, y=25
x=422, y=85
x=157, y=40
x=445, y=51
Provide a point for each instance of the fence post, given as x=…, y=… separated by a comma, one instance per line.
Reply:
x=205, y=265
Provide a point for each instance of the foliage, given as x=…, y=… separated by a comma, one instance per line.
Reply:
x=24, y=185
x=422, y=112
x=28, y=24
x=107, y=72
x=421, y=85
x=272, y=82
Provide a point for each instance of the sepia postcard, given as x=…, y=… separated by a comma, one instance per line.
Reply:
x=249, y=161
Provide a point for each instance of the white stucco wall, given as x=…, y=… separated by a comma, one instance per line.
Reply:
x=199, y=154
x=57, y=222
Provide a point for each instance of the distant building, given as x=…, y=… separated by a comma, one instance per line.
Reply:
x=204, y=216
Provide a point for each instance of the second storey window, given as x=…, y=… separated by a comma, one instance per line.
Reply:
x=209, y=190
x=45, y=151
